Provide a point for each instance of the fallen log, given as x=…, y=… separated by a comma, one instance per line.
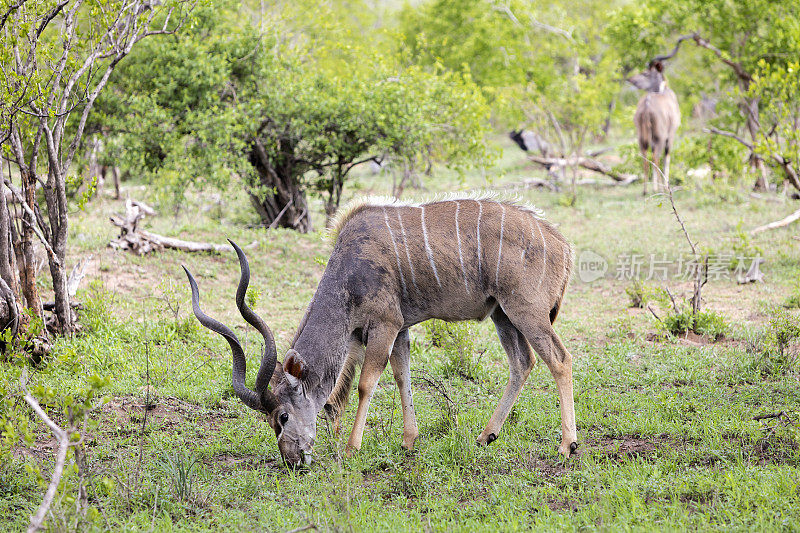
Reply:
x=142, y=242
x=532, y=183
x=584, y=162
x=778, y=224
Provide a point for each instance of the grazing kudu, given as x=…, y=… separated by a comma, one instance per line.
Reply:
x=394, y=265
x=657, y=119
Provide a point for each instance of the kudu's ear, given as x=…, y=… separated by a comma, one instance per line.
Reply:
x=659, y=66
x=295, y=368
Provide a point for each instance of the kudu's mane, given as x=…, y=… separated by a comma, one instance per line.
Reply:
x=354, y=206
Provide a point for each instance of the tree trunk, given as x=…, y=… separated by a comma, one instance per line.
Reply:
x=7, y=262
x=749, y=109
x=27, y=267
x=334, y=194
x=283, y=203
x=56, y=198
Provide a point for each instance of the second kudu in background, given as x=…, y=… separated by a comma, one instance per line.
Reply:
x=657, y=119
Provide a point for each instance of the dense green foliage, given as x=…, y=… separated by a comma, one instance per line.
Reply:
x=224, y=99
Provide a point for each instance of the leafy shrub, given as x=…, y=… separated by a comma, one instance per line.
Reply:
x=776, y=347
x=457, y=341
x=708, y=323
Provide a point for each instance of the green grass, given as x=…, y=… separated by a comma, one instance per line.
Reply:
x=667, y=435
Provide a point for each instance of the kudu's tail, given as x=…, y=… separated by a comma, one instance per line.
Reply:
x=569, y=261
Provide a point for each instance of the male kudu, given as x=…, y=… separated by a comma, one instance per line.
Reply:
x=657, y=119
x=394, y=265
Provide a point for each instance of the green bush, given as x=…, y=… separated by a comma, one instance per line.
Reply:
x=778, y=345
x=708, y=323
x=457, y=341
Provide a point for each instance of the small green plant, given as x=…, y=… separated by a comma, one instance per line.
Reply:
x=252, y=297
x=567, y=200
x=179, y=469
x=639, y=293
x=97, y=305
x=793, y=300
x=457, y=341
x=743, y=247
x=776, y=349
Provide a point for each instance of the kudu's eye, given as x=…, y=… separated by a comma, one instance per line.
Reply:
x=284, y=418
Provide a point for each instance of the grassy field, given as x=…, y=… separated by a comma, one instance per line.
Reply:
x=666, y=429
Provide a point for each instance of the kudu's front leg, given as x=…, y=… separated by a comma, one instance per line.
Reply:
x=380, y=341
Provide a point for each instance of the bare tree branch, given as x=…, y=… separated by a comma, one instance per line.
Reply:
x=61, y=457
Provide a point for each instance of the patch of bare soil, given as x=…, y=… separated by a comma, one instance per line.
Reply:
x=690, y=338
x=629, y=446
x=563, y=504
x=776, y=450
x=43, y=448
x=126, y=413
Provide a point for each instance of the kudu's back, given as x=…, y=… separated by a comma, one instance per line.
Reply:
x=453, y=259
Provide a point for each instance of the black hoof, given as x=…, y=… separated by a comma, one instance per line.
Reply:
x=573, y=447
x=491, y=438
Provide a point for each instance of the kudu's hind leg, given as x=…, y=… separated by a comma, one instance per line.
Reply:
x=520, y=363
x=548, y=345
x=380, y=342
x=665, y=177
x=645, y=170
x=401, y=367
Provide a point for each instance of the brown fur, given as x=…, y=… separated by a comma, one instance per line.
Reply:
x=657, y=119
x=454, y=259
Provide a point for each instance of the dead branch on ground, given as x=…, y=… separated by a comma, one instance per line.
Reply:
x=584, y=162
x=65, y=441
x=142, y=242
x=778, y=224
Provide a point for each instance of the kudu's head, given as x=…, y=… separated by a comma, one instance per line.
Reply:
x=652, y=79
x=289, y=410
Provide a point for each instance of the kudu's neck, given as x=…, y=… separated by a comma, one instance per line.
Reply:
x=323, y=336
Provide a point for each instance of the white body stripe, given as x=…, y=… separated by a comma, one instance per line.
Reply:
x=428, y=247
x=408, y=254
x=460, y=254
x=480, y=213
x=500, y=246
x=544, y=254
x=396, y=253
